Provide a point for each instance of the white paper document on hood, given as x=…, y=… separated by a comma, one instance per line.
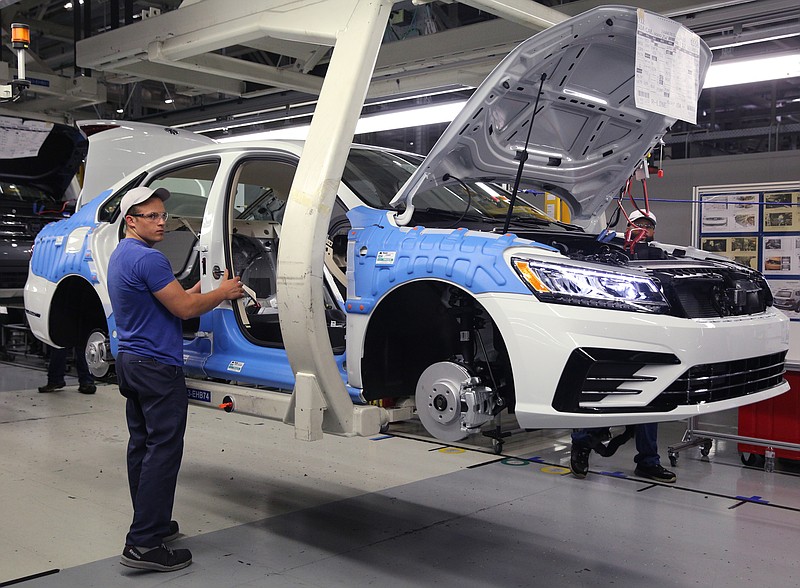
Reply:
x=22, y=138
x=667, y=67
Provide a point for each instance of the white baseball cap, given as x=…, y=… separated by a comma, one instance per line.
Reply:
x=637, y=214
x=139, y=195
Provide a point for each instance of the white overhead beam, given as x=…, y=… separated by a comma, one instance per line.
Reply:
x=468, y=76
x=493, y=39
x=524, y=12
x=239, y=69
x=301, y=51
x=169, y=73
x=67, y=92
x=211, y=25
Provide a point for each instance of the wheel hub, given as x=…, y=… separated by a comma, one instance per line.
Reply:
x=438, y=399
x=98, y=354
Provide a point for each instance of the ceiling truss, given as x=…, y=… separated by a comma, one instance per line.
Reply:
x=216, y=59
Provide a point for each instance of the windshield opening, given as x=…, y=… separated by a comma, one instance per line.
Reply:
x=376, y=176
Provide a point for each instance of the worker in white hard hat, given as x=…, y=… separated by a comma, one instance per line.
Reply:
x=641, y=229
x=641, y=222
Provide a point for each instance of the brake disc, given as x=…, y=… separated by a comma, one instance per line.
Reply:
x=438, y=400
x=98, y=354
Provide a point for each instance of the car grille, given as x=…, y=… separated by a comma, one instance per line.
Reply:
x=593, y=374
x=713, y=382
x=698, y=292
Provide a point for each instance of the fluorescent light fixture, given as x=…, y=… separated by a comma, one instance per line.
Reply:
x=760, y=69
x=399, y=119
x=752, y=38
x=584, y=96
x=726, y=73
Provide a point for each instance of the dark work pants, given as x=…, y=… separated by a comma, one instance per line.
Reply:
x=646, y=442
x=156, y=412
x=57, y=366
x=647, y=445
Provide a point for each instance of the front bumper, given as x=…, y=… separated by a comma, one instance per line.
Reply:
x=543, y=340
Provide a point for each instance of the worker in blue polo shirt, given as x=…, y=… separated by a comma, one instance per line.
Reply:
x=149, y=304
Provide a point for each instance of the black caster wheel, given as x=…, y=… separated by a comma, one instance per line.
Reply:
x=753, y=460
x=497, y=446
x=384, y=428
x=705, y=448
x=673, y=459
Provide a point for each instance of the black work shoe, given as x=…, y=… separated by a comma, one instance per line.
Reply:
x=87, y=388
x=173, y=532
x=160, y=559
x=655, y=472
x=51, y=387
x=579, y=460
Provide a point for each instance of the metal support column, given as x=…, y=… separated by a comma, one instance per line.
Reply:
x=305, y=226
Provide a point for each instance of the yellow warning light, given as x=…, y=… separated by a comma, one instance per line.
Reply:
x=20, y=35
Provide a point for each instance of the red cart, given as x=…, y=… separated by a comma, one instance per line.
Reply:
x=776, y=419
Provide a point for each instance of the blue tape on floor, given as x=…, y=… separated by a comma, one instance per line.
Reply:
x=757, y=499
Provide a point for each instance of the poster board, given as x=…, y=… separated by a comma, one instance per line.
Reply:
x=757, y=225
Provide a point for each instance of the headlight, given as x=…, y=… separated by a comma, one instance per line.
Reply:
x=586, y=286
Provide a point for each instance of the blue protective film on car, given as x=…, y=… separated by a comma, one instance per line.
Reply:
x=236, y=358
x=52, y=261
x=386, y=256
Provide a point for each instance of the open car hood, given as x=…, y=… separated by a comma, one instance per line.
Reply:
x=40, y=154
x=588, y=135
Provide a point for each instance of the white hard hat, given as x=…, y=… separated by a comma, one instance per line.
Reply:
x=637, y=214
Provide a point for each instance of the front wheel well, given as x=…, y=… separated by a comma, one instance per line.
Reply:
x=425, y=322
x=75, y=312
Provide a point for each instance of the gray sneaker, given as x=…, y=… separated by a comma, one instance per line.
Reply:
x=159, y=559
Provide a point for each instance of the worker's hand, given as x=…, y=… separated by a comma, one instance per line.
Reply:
x=231, y=288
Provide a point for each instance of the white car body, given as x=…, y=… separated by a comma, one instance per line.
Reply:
x=442, y=307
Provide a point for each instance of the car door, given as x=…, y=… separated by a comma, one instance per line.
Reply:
x=245, y=229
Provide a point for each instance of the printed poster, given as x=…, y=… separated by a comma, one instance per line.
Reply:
x=729, y=213
x=742, y=250
x=786, y=297
x=781, y=212
x=781, y=255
